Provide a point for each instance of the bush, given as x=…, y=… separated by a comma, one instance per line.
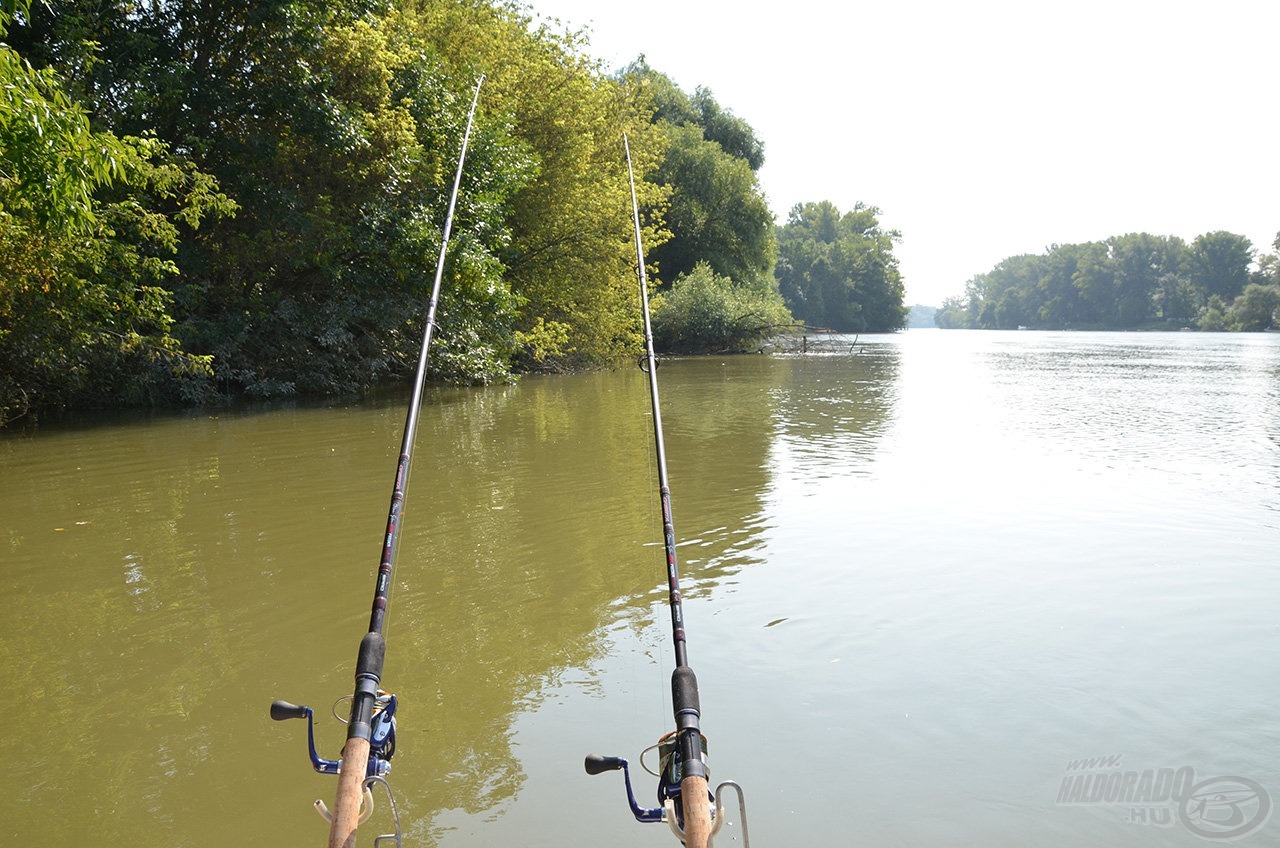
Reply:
x=1255, y=309
x=707, y=313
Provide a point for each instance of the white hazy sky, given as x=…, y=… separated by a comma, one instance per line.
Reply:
x=988, y=128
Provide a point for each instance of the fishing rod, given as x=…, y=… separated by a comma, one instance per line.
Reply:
x=685, y=800
x=366, y=756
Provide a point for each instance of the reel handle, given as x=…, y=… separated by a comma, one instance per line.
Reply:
x=596, y=764
x=283, y=710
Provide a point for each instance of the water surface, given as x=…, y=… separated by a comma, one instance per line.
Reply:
x=920, y=580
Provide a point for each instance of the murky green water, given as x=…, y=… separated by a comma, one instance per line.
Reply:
x=920, y=581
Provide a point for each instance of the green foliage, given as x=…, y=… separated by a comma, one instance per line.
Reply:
x=546, y=341
x=84, y=312
x=962, y=312
x=1141, y=261
x=671, y=106
x=717, y=212
x=734, y=135
x=838, y=270
x=341, y=253
x=1255, y=309
x=332, y=131
x=953, y=314
x=50, y=161
x=89, y=223
x=1213, y=318
x=1134, y=280
x=1268, y=273
x=705, y=312
x=337, y=131
x=568, y=257
x=1218, y=263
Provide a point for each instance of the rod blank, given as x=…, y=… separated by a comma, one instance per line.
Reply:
x=684, y=684
x=355, y=753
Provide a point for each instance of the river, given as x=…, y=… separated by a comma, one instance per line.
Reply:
x=925, y=582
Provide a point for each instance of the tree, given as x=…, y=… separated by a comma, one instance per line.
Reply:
x=1060, y=303
x=952, y=315
x=706, y=313
x=1012, y=292
x=1255, y=309
x=1268, y=272
x=1213, y=318
x=717, y=212
x=321, y=286
x=88, y=225
x=838, y=270
x=337, y=132
x=962, y=312
x=734, y=135
x=1141, y=262
x=51, y=162
x=1095, y=281
x=569, y=256
x=1218, y=263
x=1124, y=282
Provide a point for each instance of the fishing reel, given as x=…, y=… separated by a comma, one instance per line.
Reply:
x=382, y=747
x=670, y=773
x=382, y=742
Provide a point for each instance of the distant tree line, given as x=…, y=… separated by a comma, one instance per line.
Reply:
x=736, y=277
x=1132, y=281
x=838, y=271
x=202, y=199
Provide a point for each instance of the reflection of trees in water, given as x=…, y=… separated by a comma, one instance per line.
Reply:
x=544, y=532
x=118, y=633
x=543, y=529
x=831, y=411
x=715, y=412
x=207, y=565
x=517, y=545
x=224, y=561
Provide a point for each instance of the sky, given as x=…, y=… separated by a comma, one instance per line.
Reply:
x=984, y=129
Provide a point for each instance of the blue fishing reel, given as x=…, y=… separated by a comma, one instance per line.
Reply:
x=382, y=746
x=382, y=742
x=670, y=773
